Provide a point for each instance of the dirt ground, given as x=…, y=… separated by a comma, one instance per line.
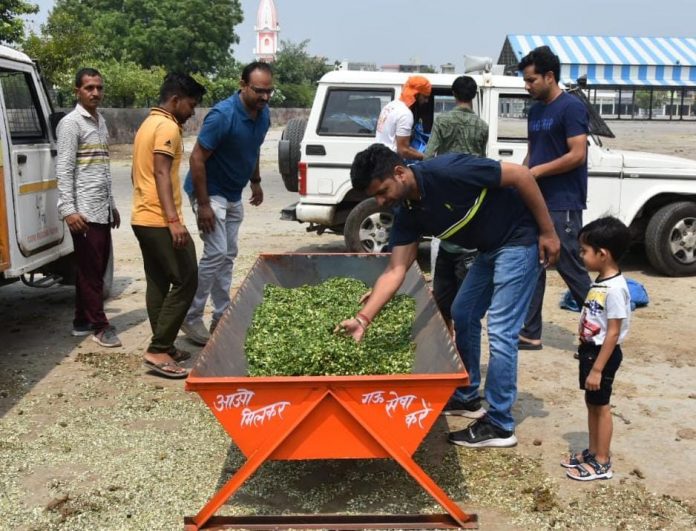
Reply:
x=88, y=440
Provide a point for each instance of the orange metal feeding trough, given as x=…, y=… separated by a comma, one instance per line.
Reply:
x=327, y=417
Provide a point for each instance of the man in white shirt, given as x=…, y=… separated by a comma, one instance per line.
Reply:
x=395, y=122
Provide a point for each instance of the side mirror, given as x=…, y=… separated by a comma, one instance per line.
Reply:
x=54, y=118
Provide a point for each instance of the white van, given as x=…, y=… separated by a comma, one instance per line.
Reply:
x=655, y=195
x=35, y=243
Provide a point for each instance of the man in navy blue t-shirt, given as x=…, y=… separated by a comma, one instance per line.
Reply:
x=476, y=203
x=224, y=159
x=557, y=157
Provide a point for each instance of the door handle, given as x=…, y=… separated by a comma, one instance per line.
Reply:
x=315, y=149
x=21, y=158
x=505, y=152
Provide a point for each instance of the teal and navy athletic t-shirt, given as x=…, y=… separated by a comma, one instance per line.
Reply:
x=449, y=186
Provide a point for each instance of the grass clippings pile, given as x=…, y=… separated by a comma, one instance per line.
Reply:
x=292, y=333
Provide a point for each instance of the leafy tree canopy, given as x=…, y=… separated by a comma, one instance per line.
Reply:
x=296, y=74
x=182, y=35
x=11, y=25
x=294, y=65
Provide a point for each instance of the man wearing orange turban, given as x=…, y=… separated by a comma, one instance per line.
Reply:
x=396, y=119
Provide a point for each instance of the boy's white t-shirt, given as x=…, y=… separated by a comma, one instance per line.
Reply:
x=607, y=299
x=396, y=119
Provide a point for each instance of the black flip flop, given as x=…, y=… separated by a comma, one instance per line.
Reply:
x=160, y=369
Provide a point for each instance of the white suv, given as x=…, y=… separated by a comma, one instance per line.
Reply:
x=653, y=194
x=35, y=243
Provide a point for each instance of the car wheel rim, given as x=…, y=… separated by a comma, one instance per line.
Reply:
x=682, y=241
x=374, y=231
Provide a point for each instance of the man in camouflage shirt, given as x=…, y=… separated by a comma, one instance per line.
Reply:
x=457, y=131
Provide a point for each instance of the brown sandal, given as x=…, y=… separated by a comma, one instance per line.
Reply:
x=179, y=355
x=167, y=369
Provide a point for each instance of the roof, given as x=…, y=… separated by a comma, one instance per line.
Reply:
x=266, y=15
x=14, y=55
x=608, y=60
x=361, y=77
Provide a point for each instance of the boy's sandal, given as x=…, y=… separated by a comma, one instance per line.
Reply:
x=573, y=460
x=583, y=473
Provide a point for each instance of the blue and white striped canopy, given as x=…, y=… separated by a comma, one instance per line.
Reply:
x=653, y=61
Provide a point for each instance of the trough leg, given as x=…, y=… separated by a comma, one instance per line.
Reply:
x=415, y=471
x=251, y=465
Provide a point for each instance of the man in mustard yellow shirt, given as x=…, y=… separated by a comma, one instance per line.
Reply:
x=169, y=255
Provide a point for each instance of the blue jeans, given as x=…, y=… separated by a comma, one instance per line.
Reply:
x=570, y=266
x=501, y=283
x=219, y=252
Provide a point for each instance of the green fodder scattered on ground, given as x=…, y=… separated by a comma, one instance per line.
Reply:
x=293, y=333
x=119, y=453
x=113, y=454
x=508, y=481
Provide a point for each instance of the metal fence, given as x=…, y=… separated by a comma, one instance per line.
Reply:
x=644, y=103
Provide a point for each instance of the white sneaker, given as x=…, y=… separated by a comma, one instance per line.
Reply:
x=196, y=332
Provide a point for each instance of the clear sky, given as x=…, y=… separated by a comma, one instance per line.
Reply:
x=440, y=31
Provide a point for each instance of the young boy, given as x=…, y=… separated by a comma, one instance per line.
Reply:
x=603, y=327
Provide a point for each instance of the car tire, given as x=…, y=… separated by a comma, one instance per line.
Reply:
x=289, y=152
x=670, y=239
x=368, y=227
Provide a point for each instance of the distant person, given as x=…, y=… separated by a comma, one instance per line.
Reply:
x=557, y=157
x=604, y=324
x=476, y=203
x=169, y=255
x=457, y=131
x=396, y=121
x=224, y=160
x=86, y=203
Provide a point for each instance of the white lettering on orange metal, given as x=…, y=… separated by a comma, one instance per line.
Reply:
x=235, y=400
x=375, y=397
x=403, y=401
x=259, y=416
x=418, y=416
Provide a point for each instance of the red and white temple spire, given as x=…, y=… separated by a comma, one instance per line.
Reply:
x=267, y=30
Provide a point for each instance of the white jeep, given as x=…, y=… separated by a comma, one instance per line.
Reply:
x=655, y=195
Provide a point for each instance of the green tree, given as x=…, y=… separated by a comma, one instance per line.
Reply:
x=11, y=23
x=643, y=98
x=126, y=84
x=183, y=35
x=294, y=65
x=63, y=46
x=296, y=74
